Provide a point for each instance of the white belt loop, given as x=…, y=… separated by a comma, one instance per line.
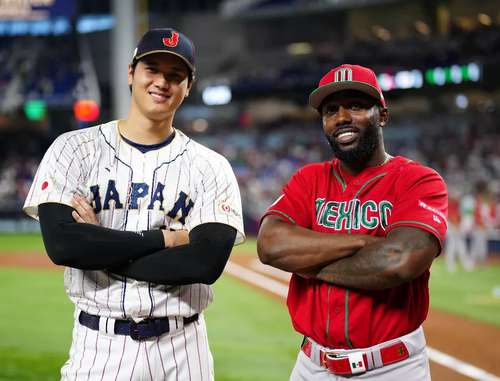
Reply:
x=369, y=358
x=377, y=358
x=106, y=325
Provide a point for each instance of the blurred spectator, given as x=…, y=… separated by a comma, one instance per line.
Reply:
x=456, y=245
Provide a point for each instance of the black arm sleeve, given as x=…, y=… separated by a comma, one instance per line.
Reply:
x=201, y=261
x=91, y=247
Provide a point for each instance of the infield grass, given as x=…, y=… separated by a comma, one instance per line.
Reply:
x=20, y=242
x=474, y=294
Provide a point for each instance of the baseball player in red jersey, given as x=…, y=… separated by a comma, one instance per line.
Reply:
x=359, y=234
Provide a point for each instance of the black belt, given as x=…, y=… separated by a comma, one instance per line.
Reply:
x=144, y=329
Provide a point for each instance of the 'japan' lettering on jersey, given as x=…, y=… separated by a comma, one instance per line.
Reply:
x=323, y=198
x=179, y=186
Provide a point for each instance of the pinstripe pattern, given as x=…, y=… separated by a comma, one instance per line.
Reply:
x=135, y=363
x=97, y=156
x=106, y=362
x=121, y=357
x=95, y=356
x=175, y=360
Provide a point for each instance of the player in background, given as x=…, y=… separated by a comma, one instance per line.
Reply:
x=484, y=222
x=456, y=245
x=165, y=212
x=359, y=234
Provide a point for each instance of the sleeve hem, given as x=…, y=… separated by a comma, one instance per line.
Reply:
x=280, y=214
x=420, y=225
x=154, y=239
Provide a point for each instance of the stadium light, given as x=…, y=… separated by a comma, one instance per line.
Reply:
x=456, y=74
x=438, y=76
x=474, y=72
x=461, y=101
x=86, y=110
x=35, y=109
x=216, y=95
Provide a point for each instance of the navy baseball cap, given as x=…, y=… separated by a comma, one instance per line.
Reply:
x=166, y=40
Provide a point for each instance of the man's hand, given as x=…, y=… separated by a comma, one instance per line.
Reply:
x=83, y=213
x=175, y=237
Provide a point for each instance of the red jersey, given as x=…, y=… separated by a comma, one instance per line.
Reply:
x=323, y=198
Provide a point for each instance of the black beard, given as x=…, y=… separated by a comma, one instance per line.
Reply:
x=363, y=152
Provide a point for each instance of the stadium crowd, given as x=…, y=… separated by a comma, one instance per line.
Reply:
x=462, y=147
x=263, y=159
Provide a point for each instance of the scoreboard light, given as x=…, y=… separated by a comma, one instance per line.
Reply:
x=35, y=109
x=216, y=95
x=86, y=110
x=438, y=76
x=454, y=74
x=386, y=82
x=406, y=79
x=474, y=72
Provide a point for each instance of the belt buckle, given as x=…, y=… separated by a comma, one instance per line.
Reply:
x=322, y=358
x=134, y=330
x=356, y=362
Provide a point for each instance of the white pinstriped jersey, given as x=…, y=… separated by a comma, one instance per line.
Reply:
x=180, y=185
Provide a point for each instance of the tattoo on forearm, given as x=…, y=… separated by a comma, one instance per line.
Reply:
x=371, y=267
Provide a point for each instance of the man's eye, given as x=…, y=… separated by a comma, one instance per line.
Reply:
x=331, y=109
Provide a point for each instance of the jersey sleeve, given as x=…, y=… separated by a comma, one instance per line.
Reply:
x=218, y=198
x=422, y=202
x=58, y=177
x=293, y=205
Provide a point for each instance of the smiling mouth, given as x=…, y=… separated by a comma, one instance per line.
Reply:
x=347, y=136
x=159, y=97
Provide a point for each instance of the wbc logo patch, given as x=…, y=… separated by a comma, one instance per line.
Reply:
x=172, y=41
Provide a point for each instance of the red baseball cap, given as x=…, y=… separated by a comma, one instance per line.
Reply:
x=347, y=77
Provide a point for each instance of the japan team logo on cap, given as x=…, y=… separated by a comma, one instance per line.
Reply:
x=171, y=41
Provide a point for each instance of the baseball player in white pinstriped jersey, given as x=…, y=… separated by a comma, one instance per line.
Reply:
x=144, y=219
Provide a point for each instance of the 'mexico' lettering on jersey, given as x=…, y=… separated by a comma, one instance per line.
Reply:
x=179, y=211
x=352, y=214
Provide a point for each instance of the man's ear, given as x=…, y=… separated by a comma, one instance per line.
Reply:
x=190, y=84
x=130, y=74
x=384, y=116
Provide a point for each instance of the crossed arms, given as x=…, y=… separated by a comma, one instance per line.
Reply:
x=73, y=238
x=348, y=260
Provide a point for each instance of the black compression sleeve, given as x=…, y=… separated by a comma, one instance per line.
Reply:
x=201, y=261
x=90, y=247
